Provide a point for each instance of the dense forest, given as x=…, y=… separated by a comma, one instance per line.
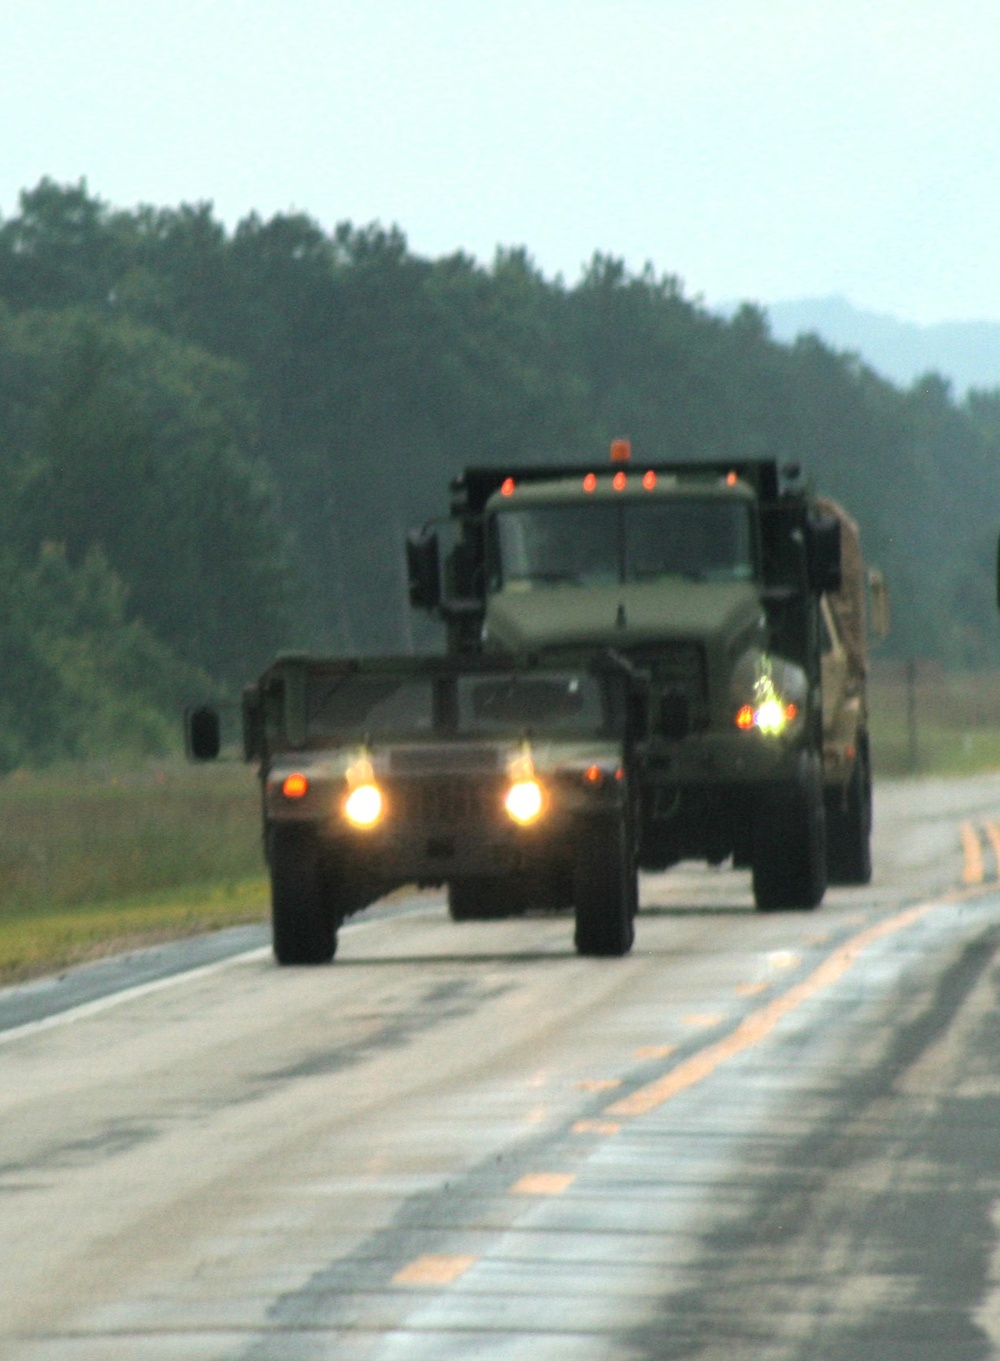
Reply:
x=212, y=443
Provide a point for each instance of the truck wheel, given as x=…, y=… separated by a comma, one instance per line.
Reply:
x=849, y=824
x=605, y=887
x=304, y=918
x=789, y=850
x=484, y=897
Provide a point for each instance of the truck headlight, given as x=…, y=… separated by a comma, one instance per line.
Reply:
x=524, y=801
x=772, y=716
x=364, y=805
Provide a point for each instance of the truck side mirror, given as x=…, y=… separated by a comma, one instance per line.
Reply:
x=423, y=568
x=823, y=553
x=203, y=733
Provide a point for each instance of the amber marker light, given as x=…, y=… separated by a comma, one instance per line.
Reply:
x=593, y=774
x=731, y=479
x=524, y=801
x=590, y=482
x=295, y=786
x=364, y=805
x=507, y=487
x=618, y=481
x=649, y=480
x=621, y=450
x=744, y=719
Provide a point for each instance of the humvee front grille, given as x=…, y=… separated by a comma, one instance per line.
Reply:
x=446, y=803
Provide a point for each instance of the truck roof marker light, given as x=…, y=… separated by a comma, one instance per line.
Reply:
x=731, y=479
x=649, y=480
x=618, y=481
x=364, y=806
x=524, y=801
x=593, y=774
x=590, y=482
x=507, y=486
x=295, y=786
x=744, y=718
x=621, y=450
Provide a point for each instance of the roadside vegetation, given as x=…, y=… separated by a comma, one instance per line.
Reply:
x=212, y=442
x=94, y=860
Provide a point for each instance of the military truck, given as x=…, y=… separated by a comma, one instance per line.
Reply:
x=512, y=784
x=642, y=666
x=737, y=595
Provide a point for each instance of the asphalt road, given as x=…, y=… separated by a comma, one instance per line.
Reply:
x=769, y=1136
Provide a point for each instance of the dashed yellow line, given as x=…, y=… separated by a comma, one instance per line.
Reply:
x=760, y=1023
x=543, y=1184
x=432, y=1269
x=973, y=870
x=992, y=831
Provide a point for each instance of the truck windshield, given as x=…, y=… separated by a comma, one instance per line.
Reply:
x=600, y=543
x=348, y=708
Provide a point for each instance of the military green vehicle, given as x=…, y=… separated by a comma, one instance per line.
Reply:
x=643, y=666
x=511, y=784
x=723, y=585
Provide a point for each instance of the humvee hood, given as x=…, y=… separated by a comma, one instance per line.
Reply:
x=550, y=617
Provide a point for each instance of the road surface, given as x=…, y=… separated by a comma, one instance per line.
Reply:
x=767, y=1136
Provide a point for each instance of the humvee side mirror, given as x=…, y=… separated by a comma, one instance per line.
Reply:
x=423, y=568
x=823, y=553
x=203, y=731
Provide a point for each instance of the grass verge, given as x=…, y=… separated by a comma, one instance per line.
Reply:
x=37, y=940
x=94, y=860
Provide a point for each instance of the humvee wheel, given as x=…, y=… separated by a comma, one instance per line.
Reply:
x=304, y=918
x=605, y=887
x=789, y=846
x=849, y=824
x=483, y=897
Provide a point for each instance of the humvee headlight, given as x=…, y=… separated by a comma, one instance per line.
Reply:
x=364, y=805
x=524, y=801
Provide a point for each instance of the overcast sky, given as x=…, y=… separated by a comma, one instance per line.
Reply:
x=759, y=149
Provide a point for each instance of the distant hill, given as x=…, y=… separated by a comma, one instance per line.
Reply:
x=966, y=352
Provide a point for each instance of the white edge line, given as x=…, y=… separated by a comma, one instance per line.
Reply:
x=114, y=999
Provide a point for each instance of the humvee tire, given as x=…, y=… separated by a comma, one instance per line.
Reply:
x=605, y=887
x=849, y=824
x=789, y=845
x=304, y=917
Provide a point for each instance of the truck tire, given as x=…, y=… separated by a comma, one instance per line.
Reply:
x=304, y=916
x=849, y=824
x=789, y=846
x=605, y=887
x=485, y=897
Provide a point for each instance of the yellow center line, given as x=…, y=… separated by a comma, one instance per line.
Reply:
x=432, y=1269
x=973, y=871
x=543, y=1184
x=654, y=1051
x=992, y=830
x=759, y=1024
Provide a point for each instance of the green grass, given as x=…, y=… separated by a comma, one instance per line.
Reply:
x=957, y=722
x=94, y=860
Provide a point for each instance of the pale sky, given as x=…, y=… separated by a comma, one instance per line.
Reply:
x=757, y=149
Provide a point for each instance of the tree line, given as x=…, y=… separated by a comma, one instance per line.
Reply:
x=212, y=443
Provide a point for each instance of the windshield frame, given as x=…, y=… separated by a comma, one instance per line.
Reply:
x=623, y=573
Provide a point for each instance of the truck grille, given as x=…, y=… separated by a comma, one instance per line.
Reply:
x=444, y=803
x=678, y=667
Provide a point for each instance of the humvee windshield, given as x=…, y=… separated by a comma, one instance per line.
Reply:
x=378, y=705
x=698, y=538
